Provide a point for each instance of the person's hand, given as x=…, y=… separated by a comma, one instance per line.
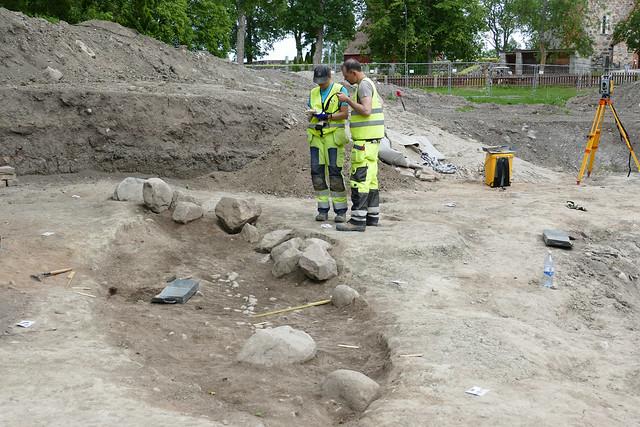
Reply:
x=321, y=116
x=342, y=97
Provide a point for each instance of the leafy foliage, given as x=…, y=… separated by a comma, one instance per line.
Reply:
x=554, y=24
x=628, y=31
x=502, y=21
x=434, y=28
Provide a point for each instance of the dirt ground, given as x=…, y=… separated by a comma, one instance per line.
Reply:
x=467, y=307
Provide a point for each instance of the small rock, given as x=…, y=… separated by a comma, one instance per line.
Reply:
x=353, y=388
x=181, y=196
x=157, y=195
x=53, y=74
x=186, y=212
x=531, y=134
x=279, y=346
x=623, y=276
x=235, y=213
x=250, y=233
x=296, y=243
x=85, y=48
x=232, y=276
x=317, y=264
x=273, y=239
x=287, y=262
x=343, y=296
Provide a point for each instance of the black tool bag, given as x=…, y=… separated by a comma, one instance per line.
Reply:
x=502, y=177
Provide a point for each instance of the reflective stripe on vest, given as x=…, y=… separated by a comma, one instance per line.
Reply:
x=371, y=126
x=333, y=107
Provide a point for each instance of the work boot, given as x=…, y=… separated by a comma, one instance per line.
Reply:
x=340, y=218
x=349, y=226
x=373, y=222
x=322, y=216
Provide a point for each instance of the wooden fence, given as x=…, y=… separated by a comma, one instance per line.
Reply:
x=568, y=80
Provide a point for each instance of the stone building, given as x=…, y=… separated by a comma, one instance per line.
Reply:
x=604, y=15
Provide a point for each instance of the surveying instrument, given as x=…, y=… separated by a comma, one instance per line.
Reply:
x=606, y=90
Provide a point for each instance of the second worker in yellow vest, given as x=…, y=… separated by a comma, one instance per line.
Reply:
x=367, y=129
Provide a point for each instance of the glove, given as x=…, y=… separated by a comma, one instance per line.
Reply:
x=321, y=116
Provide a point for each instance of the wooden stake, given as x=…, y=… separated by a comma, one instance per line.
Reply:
x=300, y=307
x=70, y=277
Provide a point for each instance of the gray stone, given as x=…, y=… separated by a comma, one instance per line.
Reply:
x=287, y=262
x=557, y=238
x=296, y=243
x=343, y=296
x=7, y=170
x=181, y=196
x=235, y=213
x=53, y=74
x=83, y=47
x=279, y=346
x=317, y=264
x=250, y=233
x=353, y=388
x=157, y=195
x=186, y=212
x=273, y=239
x=315, y=241
x=129, y=190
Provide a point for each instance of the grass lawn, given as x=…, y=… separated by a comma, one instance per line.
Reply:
x=514, y=95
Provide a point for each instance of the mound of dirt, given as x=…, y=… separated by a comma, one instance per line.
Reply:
x=285, y=171
x=126, y=102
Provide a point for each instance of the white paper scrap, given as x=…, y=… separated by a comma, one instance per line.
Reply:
x=326, y=226
x=25, y=323
x=48, y=233
x=477, y=391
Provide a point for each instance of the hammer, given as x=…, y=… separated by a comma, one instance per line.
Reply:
x=41, y=276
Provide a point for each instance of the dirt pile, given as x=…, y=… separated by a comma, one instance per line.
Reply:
x=179, y=113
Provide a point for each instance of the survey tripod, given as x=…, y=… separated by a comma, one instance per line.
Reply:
x=606, y=90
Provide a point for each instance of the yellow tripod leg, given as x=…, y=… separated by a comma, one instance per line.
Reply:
x=596, y=142
x=593, y=136
x=625, y=135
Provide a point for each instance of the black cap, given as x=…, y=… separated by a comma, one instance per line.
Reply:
x=321, y=74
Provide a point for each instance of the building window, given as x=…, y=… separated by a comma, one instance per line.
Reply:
x=605, y=26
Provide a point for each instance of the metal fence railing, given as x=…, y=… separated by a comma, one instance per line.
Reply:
x=479, y=74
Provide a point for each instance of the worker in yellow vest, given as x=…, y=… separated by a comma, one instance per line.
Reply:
x=367, y=129
x=327, y=138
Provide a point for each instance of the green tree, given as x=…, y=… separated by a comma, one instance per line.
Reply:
x=259, y=24
x=556, y=24
x=628, y=31
x=450, y=28
x=296, y=23
x=502, y=22
x=212, y=22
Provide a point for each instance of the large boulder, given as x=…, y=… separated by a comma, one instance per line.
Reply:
x=277, y=347
x=186, y=212
x=296, y=242
x=286, y=262
x=157, y=195
x=343, y=296
x=181, y=196
x=129, y=190
x=235, y=213
x=317, y=264
x=250, y=233
x=273, y=239
x=353, y=388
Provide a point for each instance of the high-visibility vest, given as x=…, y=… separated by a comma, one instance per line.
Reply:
x=331, y=106
x=371, y=126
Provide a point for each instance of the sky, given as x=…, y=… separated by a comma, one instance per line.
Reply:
x=287, y=47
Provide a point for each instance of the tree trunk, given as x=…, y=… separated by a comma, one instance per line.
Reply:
x=543, y=56
x=249, y=42
x=317, y=56
x=297, y=35
x=242, y=29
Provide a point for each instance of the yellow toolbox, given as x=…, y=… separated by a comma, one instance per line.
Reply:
x=497, y=168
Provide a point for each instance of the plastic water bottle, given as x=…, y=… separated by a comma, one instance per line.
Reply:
x=549, y=271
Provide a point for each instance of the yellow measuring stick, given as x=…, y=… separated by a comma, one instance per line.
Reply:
x=300, y=307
